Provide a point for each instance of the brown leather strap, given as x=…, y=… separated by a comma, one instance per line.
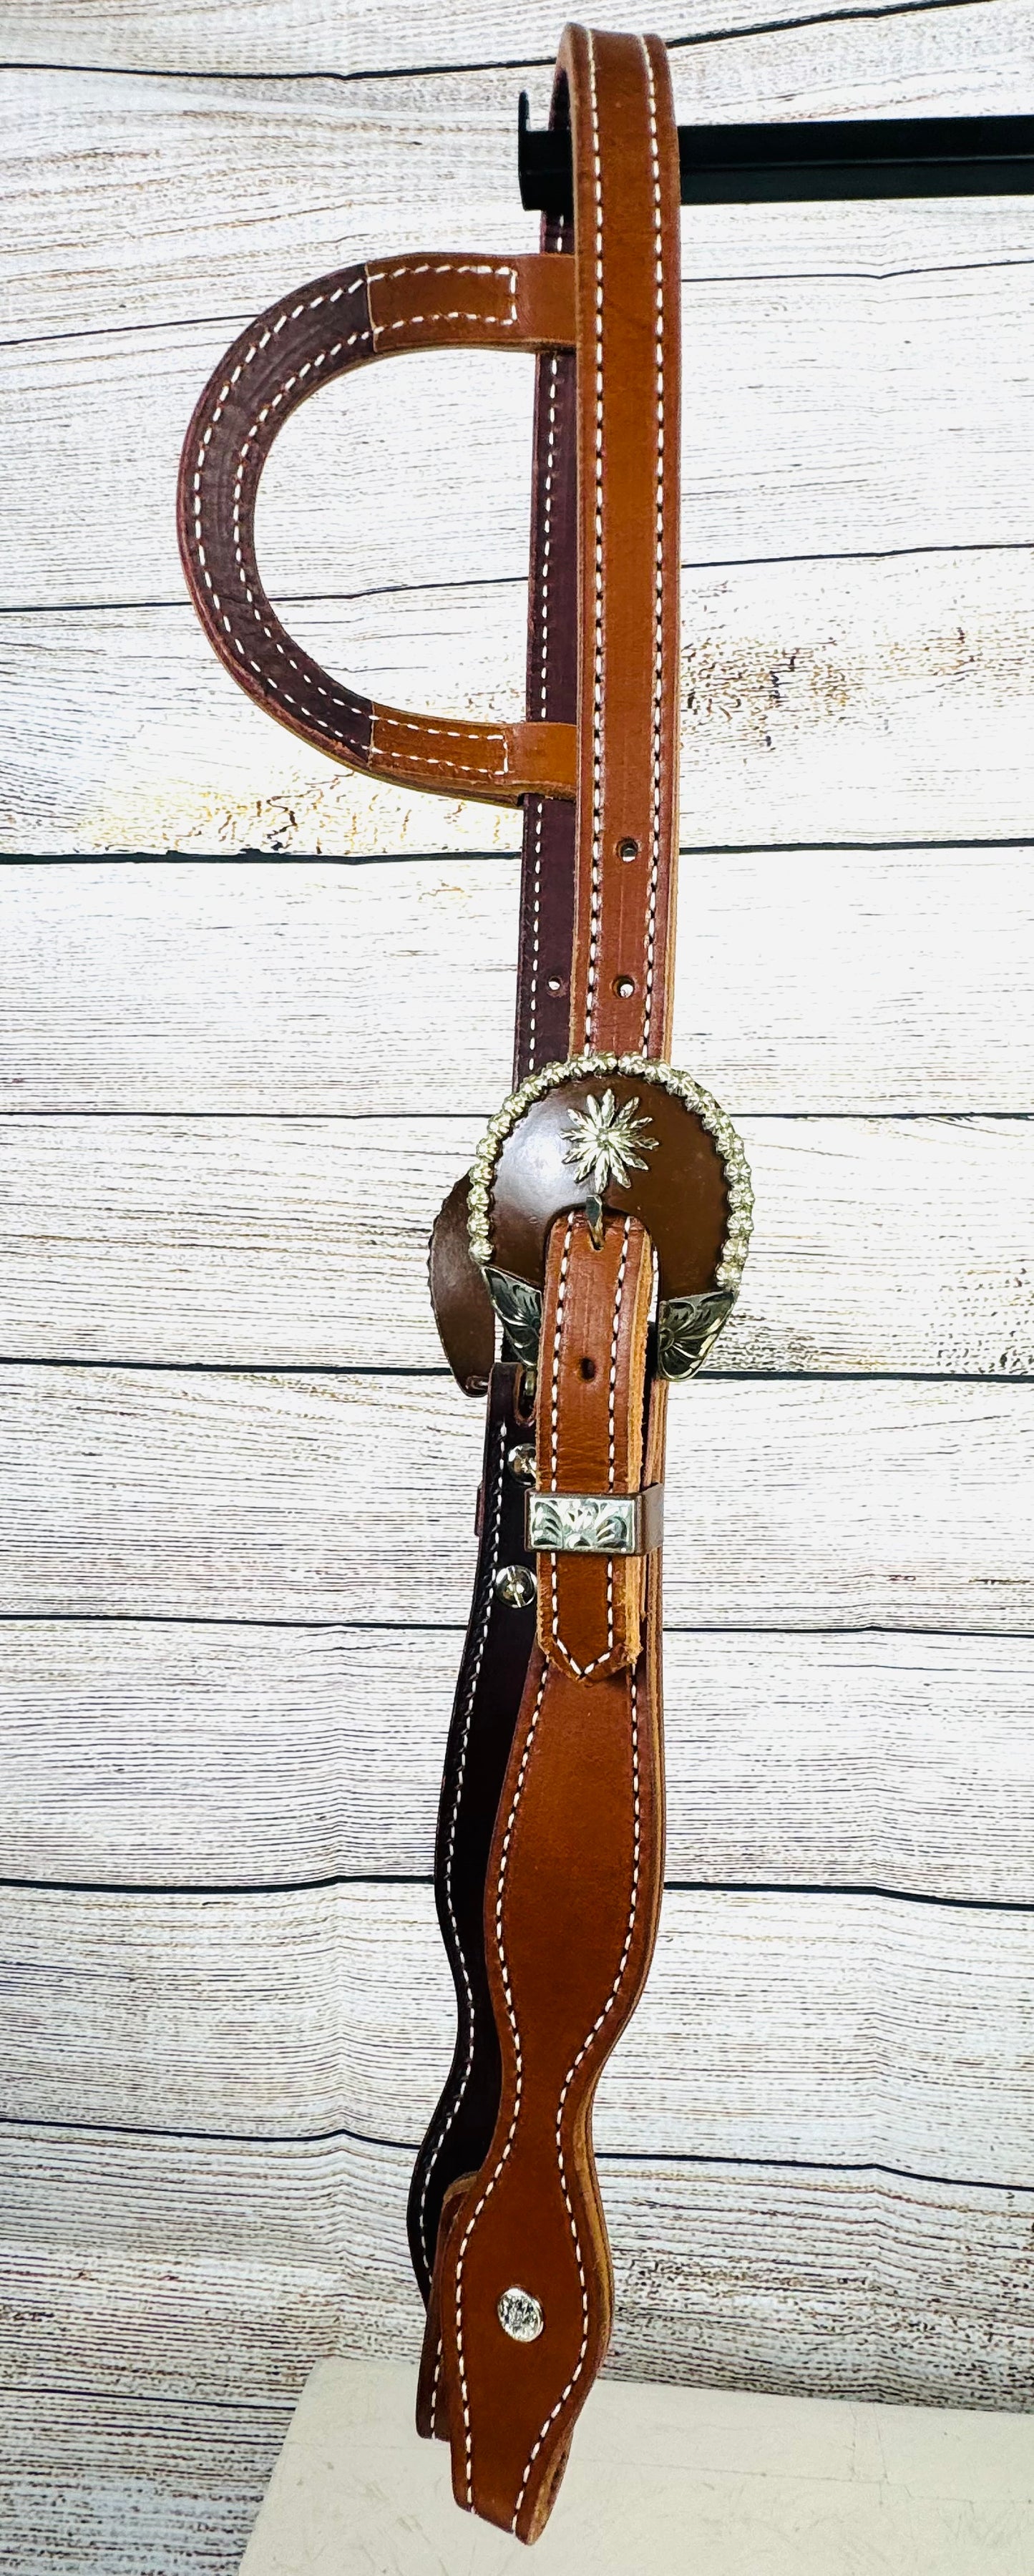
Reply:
x=628, y=327
x=575, y=1873
x=501, y=1630
x=590, y=1433
x=339, y=322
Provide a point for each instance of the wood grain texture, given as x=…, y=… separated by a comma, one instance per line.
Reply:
x=835, y=409
x=825, y=414
x=281, y=36
x=821, y=980
x=330, y=169
x=135, y=1493
x=143, y=1754
x=230, y=2269
x=884, y=1245
x=107, y=2483
x=843, y=2029
x=844, y=701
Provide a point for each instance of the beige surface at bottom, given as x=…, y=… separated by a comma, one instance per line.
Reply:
x=698, y=2481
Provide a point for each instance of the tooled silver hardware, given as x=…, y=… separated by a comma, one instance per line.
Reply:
x=516, y=1586
x=521, y=1460
x=689, y=1331
x=595, y=1524
x=520, y=2315
x=605, y=1143
x=519, y=1308
x=686, y=1329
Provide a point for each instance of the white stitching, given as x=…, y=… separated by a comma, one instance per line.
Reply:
x=289, y=313
x=446, y=268
x=518, y=2076
x=488, y=765
x=597, y=2026
x=597, y=683
x=536, y=917
x=612, y=1390
x=658, y=648
x=486, y=768
x=450, y=1854
x=583, y=1670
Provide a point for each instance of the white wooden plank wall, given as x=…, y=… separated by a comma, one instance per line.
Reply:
x=254, y=1013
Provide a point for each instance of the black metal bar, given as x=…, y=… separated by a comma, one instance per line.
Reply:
x=744, y=165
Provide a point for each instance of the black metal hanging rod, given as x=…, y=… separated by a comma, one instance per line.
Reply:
x=757, y=165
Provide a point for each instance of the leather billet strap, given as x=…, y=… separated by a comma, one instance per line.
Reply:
x=489, y=1689
x=501, y=1629
x=575, y=1872
x=328, y=328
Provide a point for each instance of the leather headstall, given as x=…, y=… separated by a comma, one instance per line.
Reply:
x=596, y=1244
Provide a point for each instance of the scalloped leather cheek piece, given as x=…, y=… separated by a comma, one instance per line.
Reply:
x=587, y=1260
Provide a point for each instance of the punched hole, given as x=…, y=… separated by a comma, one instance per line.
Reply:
x=628, y=849
x=555, y=984
x=624, y=987
x=587, y=1369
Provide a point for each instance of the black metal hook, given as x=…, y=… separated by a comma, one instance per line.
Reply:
x=744, y=165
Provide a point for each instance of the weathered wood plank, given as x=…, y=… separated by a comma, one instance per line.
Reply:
x=146, y=1754
x=825, y=414
x=231, y=2269
x=276, y=1242
x=252, y=184
x=837, y=2029
x=278, y=36
x=790, y=1504
x=820, y=702
x=107, y=2483
x=844, y=981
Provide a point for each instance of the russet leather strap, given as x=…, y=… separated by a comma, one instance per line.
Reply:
x=604, y=1222
x=576, y=1866
x=501, y=1629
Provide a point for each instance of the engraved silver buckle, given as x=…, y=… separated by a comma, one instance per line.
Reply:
x=595, y=1524
x=604, y=1145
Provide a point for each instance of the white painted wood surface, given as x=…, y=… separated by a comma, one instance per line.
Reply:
x=840, y=981
x=229, y=2267
x=869, y=702
x=882, y=1244
x=118, y=2484
x=135, y=1493
x=213, y=1076
x=139, y=1753
x=857, y=2030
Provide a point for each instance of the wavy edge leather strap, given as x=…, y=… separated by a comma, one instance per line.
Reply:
x=328, y=328
x=574, y=1879
x=500, y=1633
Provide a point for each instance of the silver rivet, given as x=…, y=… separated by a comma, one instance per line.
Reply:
x=521, y=1461
x=516, y=1585
x=520, y=2316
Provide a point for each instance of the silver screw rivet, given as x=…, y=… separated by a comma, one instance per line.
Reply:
x=520, y=2316
x=516, y=1585
x=521, y=1460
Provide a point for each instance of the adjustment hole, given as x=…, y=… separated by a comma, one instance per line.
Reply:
x=628, y=849
x=624, y=987
x=587, y=1369
x=556, y=984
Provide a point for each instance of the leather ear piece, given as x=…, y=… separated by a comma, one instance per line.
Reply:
x=346, y=320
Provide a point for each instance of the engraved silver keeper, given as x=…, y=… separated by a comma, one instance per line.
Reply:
x=595, y=1524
